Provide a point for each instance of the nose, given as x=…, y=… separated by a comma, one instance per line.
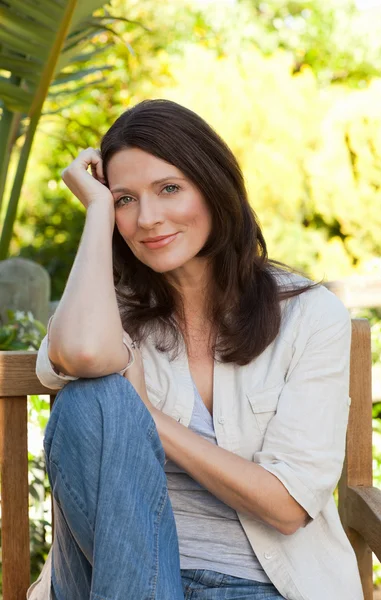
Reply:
x=149, y=213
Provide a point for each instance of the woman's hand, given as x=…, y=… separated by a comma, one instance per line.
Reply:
x=135, y=375
x=87, y=188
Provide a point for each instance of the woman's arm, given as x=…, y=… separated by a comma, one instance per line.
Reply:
x=295, y=473
x=238, y=482
x=86, y=331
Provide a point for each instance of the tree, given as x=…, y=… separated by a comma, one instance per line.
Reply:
x=311, y=157
x=333, y=37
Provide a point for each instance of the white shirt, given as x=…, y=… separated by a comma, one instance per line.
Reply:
x=287, y=411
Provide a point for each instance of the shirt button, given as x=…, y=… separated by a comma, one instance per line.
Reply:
x=268, y=555
x=221, y=420
x=349, y=401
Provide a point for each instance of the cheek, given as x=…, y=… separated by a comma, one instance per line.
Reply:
x=126, y=226
x=194, y=214
x=203, y=220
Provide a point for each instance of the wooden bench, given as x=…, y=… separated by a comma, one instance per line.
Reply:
x=359, y=502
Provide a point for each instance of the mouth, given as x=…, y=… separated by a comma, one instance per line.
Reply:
x=160, y=241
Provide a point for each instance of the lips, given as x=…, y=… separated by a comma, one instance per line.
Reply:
x=160, y=241
x=158, y=238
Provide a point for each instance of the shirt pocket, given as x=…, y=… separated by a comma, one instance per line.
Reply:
x=264, y=404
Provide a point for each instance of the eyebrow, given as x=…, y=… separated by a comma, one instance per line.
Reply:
x=158, y=181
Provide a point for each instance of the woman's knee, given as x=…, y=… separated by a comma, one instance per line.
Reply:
x=109, y=396
x=87, y=409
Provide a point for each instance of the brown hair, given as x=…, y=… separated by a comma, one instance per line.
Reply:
x=245, y=303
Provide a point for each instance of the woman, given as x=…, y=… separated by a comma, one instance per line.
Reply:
x=207, y=470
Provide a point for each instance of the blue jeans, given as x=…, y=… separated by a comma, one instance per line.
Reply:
x=114, y=531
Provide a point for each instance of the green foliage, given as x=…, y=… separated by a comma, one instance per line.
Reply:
x=40, y=47
x=311, y=157
x=57, y=225
x=40, y=528
x=21, y=332
x=332, y=37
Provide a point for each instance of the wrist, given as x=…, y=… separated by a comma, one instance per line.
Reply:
x=102, y=208
x=103, y=203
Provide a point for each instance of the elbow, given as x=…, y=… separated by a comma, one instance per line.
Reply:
x=288, y=528
x=291, y=526
x=77, y=364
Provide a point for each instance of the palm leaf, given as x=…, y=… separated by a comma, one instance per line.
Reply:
x=38, y=39
x=33, y=38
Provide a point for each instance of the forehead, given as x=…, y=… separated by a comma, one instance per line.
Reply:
x=134, y=166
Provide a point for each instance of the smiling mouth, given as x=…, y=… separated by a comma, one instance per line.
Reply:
x=159, y=242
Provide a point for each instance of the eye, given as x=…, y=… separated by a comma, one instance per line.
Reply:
x=123, y=200
x=171, y=188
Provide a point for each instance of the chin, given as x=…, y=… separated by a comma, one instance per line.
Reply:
x=166, y=265
x=158, y=268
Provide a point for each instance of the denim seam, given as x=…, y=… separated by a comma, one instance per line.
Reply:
x=151, y=431
x=156, y=572
x=73, y=496
x=97, y=597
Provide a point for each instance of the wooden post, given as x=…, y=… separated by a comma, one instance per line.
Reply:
x=14, y=497
x=357, y=469
x=17, y=380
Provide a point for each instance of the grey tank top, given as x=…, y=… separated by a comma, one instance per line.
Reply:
x=210, y=533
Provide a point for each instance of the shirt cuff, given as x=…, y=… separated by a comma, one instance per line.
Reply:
x=295, y=487
x=126, y=341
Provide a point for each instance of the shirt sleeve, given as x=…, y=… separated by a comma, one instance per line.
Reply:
x=304, y=445
x=52, y=379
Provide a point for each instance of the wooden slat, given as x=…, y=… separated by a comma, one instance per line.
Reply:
x=18, y=376
x=357, y=469
x=364, y=515
x=14, y=497
x=359, y=439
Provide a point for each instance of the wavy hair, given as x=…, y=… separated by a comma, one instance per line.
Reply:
x=244, y=305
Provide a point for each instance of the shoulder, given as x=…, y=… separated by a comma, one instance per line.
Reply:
x=314, y=308
x=323, y=308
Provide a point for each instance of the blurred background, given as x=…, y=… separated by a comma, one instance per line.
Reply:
x=293, y=87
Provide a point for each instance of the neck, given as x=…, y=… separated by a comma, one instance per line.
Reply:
x=192, y=283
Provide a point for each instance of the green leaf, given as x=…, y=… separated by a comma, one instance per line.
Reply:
x=68, y=92
x=40, y=35
x=6, y=345
x=26, y=69
x=16, y=23
x=14, y=97
x=29, y=9
x=68, y=77
x=20, y=45
x=89, y=56
x=23, y=35
x=34, y=493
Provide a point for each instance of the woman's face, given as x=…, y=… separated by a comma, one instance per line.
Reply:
x=160, y=214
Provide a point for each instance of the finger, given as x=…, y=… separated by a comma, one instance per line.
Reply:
x=98, y=164
x=87, y=157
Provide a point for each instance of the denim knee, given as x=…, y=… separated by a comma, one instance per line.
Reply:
x=88, y=409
